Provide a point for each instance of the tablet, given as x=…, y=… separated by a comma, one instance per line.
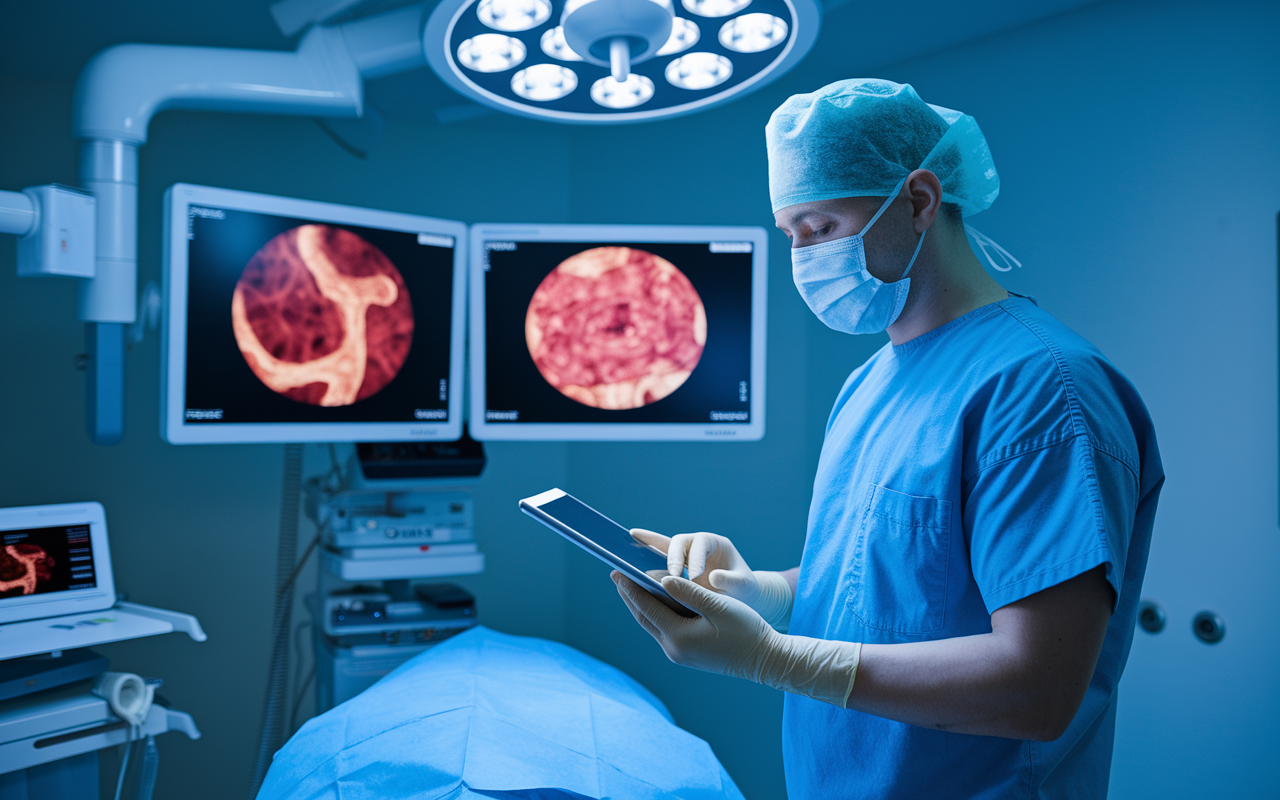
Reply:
x=602, y=538
x=54, y=561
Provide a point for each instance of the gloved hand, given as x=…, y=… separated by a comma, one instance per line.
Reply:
x=732, y=639
x=715, y=563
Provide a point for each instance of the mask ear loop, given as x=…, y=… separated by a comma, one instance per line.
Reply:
x=912, y=262
x=884, y=207
x=983, y=241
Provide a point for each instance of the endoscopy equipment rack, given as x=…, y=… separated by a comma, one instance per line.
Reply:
x=345, y=669
x=434, y=477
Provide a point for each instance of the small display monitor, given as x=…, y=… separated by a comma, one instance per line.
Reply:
x=617, y=332
x=54, y=560
x=296, y=321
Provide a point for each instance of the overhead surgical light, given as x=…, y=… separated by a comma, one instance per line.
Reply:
x=684, y=34
x=752, y=33
x=513, y=15
x=699, y=71
x=554, y=45
x=491, y=52
x=715, y=8
x=632, y=60
x=634, y=91
x=543, y=83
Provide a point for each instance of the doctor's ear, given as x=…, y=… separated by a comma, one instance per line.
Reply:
x=925, y=191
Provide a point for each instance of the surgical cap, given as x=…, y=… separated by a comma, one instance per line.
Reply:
x=860, y=137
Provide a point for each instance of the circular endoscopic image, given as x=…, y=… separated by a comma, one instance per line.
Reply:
x=616, y=328
x=322, y=316
x=22, y=568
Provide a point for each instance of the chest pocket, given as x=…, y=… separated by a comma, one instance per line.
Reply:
x=901, y=555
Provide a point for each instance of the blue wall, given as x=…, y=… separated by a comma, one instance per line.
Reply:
x=1137, y=144
x=1136, y=141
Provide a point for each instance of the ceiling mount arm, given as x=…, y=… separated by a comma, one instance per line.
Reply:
x=18, y=214
x=123, y=87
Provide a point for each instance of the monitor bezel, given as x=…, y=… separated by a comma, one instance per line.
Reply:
x=174, y=337
x=74, y=601
x=622, y=431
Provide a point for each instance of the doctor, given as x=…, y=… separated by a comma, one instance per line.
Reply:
x=983, y=503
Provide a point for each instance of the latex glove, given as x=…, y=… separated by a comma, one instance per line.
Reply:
x=714, y=563
x=731, y=639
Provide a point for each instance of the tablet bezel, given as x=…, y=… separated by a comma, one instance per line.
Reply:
x=57, y=604
x=532, y=507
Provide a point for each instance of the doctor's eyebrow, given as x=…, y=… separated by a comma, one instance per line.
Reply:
x=793, y=221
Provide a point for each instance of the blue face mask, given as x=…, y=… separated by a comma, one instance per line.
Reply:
x=833, y=280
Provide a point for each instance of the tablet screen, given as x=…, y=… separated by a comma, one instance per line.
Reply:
x=604, y=532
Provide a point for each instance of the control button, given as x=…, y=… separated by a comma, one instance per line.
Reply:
x=392, y=533
x=1151, y=617
x=1208, y=627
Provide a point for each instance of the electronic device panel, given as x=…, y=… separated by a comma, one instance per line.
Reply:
x=617, y=332
x=436, y=612
x=294, y=321
x=54, y=560
x=394, y=519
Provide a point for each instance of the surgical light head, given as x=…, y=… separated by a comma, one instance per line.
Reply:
x=861, y=137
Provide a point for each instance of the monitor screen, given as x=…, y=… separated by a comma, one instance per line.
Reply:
x=44, y=560
x=617, y=332
x=292, y=321
x=54, y=560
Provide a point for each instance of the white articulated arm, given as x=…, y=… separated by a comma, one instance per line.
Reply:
x=123, y=87
x=17, y=213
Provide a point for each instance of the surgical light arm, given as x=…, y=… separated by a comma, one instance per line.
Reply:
x=123, y=87
x=55, y=230
x=17, y=213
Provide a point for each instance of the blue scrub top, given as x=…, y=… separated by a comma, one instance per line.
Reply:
x=993, y=457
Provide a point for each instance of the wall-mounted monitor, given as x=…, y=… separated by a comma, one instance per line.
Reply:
x=295, y=321
x=617, y=332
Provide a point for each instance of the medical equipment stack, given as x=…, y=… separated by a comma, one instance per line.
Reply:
x=401, y=518
x=59, y=703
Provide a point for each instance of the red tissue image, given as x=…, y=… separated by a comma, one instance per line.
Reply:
x=322, y=316
x=616, y=327
x=23, y=566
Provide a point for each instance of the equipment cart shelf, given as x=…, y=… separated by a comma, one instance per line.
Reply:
x=122, y=621
x=61, y=723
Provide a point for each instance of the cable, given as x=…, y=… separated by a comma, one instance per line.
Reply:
x=150, y=764
x=297, y=700
x=297, y=570
x=273, y=715
x=124, y=765
x=335, y=479
x=300, y=651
